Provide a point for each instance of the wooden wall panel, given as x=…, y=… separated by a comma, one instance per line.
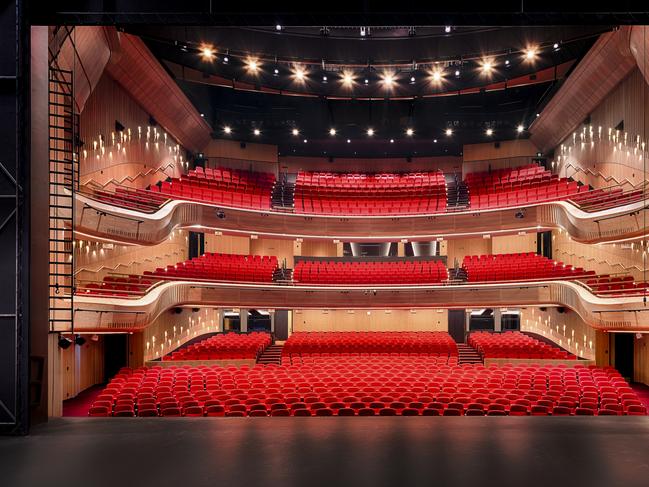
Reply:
x=264, y=154
x=137, y=161
x=641, y=359
x=507, y=149
x=81, y=367
x=513, y=244
x=227, y=244
x=282, y=249
x=602, y=160
x=315, y=248
x=458, y=248
x=376, y=320
x=603, y=259
x=566, y=329
x=447, y=164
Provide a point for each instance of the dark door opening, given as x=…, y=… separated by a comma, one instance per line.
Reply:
x=624, y=354
x=115, y=354
x=456, y=319
x=482, y=321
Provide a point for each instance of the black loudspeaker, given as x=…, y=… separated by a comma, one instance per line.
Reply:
x=497, y=145
x=195, y=310
x=242, y=145
x=543, y=309
x=561, y=309
x=176, y=311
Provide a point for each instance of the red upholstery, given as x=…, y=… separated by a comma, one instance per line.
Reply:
x=517, y=187
x=602, y=199
x=514, y=344
x=400, y=272
x=369, y=385
x=224, y=346
x=304, y=344
x=370, y=194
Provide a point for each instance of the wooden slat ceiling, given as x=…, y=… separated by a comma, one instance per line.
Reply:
x=140, y=73
x=608, y=62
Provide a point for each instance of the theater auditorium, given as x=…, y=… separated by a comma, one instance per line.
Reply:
x=276, y=252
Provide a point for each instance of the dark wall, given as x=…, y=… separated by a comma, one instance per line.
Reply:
x=281, y=324
x=456, y=324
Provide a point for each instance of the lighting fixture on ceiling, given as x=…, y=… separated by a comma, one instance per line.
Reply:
x=387, y=79
x=227, y=129
x=409, y=132
x=449, y=132
x=348, y=78
x=520, y=129
x=530, y=53
x=305, y=141
x=489, y=132
x=447, y=29
x=256, y=132
x=252, y=64
x=299, y=73
x=295, y=132
x=207, y=52
x=370, y=132
x=487, y=66
x=332, y=131
x=391, y=141
x=278, y=27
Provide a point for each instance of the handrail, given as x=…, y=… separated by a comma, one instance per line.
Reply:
x=597, y=174
x=92, y=182
x=600, y=262
x=114, y=268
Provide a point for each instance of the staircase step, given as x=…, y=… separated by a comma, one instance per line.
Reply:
x=272, y=355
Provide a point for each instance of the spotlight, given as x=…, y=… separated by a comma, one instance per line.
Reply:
x=437, y=76
x=457, y=73
x=530, y=53
x=295, y=132
x=556, y=46
x=299, y=73
x=409, y=132
x=207, y=52
x=227, y=129
x=538, y=115
x=388, y=79
x=79, y=340
x=367, y=81
x=434, y=141
x=252, y=65
x=324, y=79
x=391, y=141
x=332, y=131
x=226, y=60
x=520, y=129
x=447, y=29
x=349, y=141
x=412, y=80
x=275, y=72
x=278, y=27
x=64, y=342
x=363, y=31
x=449, y=132
x=520, y=214
x=487, y=66
x=220, y=214
x=370, y=132
x=348, y=78
x=489, y=132
x=202, y=115
x=256, y=132
x=305, y=141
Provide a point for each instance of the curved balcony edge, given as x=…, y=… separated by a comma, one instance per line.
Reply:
x=100, y=313
x=103, y=221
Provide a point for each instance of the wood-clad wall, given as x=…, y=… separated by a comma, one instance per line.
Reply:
x=282, y=249
x=566, y=329
x=457, y=249
x=227, y=244
x=317, y=248
x=370, y=320
x=601, y=161
x=601, y=258
x=497, y=155
x=447, y=164
x=512, y=244
x=80, y=367
x=264, y=154
x=135, y=162
x=641, y=359
x=94, y=260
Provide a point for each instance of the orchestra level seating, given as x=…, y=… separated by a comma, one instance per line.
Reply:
x=370, y=194
x=375, y=385
x=223, y=347
x=382, y=272
x=514, y=344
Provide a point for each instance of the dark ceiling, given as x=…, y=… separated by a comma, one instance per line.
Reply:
x=469, y=102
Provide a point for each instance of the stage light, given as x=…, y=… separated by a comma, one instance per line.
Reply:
x=449, y=132
x=489, y=132
x=457, y=73
x=556, y=46
x=202, y=115
x=324, y=79
x=387, y=79
x=507, y=62
x=447, y=29
x=367, y=81
x=64, y=343
x=278, y=27
x=363, y=31
x=252, y=64
x=275, y=71
x=227, y=129
x=207, y=52
x=391, y=141
x=299, y=73
x=487, y=66
x=520, y=129
x=412, y=80
x=348, y=78
x=226, y=60
x=256, y=132
x=305, y=141
x=295, y=132
x=370, y=132
x=530, y=53
x=436, y=76
x=349, y=141
x=79, y=340
x=409, y=132
x=434, y=141
x=332, y=131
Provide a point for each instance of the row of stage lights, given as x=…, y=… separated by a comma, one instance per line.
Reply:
x=370, y=132
x=388, y=77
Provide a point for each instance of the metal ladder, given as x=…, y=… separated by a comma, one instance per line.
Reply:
x=63, y=183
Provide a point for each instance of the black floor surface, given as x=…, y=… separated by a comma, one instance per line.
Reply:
x=332, y=452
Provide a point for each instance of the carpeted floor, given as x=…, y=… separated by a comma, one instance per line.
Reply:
x=642, y=391
x=78, y=406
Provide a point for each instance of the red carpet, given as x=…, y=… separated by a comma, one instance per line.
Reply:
x=642, y=391
x=78, y=406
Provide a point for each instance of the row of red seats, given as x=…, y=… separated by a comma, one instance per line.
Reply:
x=368, y=206
x=131, y=198
x=520, y=266
x=605, y=198
x=422, y=342
x=508, y=174
x=606, y=285
x=228, y=175
x=119, y=286
x=514, y=344
x=361, y=386
x=217, y=266
x=224, y=346
x=369, y=180
x=401, y=272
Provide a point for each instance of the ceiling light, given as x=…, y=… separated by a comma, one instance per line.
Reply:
x=226, y=60
x=530, y=53
x=227, y=129
x=449, y=132
x=409, y=132
x=305, y=141
x=487, y=66
x=388, y=79
x=457, y=73
x=556, y=46
x=367, y=81
x=332, y=131
x=489, y=132
x=203, y=115
x=349, y=141
x=391, y=141
x=363, y=31
x=412, y=80
x=447, y=29
x=278, y=27
x=256, y=132
x=207, y=52
x=299, y=73
x=252, y=64
x=435, y=141
x=437, y=76
x=296, y=132
x=275, y=71
x=538, y=115
x=520, y=128
x=324, y=79
x=370, y=132
x=348, y=78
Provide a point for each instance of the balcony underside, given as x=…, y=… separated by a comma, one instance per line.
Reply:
x=619, y=313
x=94, y=219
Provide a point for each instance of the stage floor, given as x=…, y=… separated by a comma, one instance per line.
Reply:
x=332, y=452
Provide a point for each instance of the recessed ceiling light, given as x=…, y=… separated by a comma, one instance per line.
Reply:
x=489, y=132
x=391, y=141
x=256, y=132
x=409, y=132
x=295, y=132
x=349, y=141
x=332, y=131
x=227, y=129
x=449, y=132
x=520, y=128
x=370, y=132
